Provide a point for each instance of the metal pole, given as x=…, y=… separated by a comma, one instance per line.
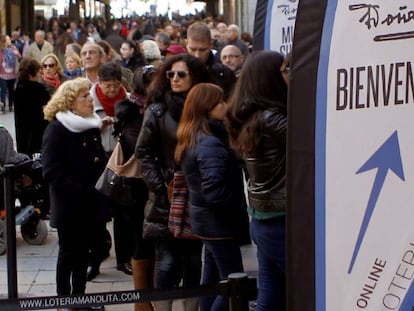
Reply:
x=10, y=231
x=241, y=290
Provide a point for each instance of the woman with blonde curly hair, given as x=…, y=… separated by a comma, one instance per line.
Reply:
x=73, y=158
x=52, y=73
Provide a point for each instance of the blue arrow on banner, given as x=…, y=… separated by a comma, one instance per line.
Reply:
x=387, y=157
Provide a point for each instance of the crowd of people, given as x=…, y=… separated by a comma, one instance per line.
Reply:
x=188, y=95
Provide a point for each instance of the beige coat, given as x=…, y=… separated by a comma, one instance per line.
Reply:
x=38, y=54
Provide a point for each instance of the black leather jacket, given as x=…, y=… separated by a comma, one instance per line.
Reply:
x=155, y=151
x=267, y=171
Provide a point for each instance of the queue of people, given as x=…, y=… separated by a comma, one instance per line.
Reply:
x=219, y=116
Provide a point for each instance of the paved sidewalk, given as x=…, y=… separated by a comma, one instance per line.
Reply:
x=36, y=267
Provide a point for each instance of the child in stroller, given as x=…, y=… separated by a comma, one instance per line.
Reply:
x=30, y=192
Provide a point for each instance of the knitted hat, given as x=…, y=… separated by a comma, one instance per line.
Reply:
x=150, y=50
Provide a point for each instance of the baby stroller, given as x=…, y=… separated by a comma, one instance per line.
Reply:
x=31, y=203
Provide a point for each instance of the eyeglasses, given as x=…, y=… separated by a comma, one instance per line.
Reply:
x=230, y=56
x=49, y=65
x=171, y=74
x=114, y=85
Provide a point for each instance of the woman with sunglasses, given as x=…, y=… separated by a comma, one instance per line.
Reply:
x=175, y=259
x=52, y=73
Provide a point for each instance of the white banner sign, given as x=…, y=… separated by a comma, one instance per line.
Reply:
x=365, y=157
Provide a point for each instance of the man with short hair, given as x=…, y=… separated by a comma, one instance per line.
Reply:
x=163, y=41
x=40, y=47
x=17, y=41
x=92, y=57
x=199, y=44
x=232, y=57
x=232, y=37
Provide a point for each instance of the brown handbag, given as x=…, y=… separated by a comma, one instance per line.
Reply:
x=114, y=181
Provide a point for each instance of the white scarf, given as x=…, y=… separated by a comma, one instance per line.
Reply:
x=76, y=123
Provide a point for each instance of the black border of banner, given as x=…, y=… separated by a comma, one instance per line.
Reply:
x=301, y=156
x=260, y=25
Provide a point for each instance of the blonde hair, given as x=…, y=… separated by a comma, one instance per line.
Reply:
x=64, y=97
x=75, y=57
x=59, y=68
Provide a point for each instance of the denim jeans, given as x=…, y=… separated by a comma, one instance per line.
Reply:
x=7, y=87
x=176, y=260
x=221, y=258
x=270, y=238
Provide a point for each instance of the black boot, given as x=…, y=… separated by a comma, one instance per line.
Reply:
x=92, y=272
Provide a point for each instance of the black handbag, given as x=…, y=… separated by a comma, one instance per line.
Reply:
x=115, y=181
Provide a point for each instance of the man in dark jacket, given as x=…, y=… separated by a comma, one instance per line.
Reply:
x=199, y=44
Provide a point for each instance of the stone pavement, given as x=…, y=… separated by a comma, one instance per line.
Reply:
x=36, y=265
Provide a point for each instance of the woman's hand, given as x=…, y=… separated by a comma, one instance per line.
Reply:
x=107, y=121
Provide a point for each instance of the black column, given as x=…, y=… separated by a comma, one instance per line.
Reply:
x=27, y=16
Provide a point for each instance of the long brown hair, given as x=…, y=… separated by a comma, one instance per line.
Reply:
x=260, y=87
x=201, y=99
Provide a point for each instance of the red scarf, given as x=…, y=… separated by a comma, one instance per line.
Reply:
x=52, y=81
x=107, y=103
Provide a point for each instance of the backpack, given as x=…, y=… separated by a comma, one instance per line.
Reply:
x=9, y=60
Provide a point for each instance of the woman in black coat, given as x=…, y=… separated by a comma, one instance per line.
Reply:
x=30, y=97
x=73, y=159
x=176, y=259
x=128, y=220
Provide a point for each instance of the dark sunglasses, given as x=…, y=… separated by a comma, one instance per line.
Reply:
x=49, y=65
x=171, y=74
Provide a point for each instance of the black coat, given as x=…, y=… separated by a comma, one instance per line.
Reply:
x=221, y=75
x=72, y=163
x=267, y=169
x=155, y=152
x=30, y=97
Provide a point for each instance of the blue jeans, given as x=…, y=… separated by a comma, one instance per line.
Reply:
x=7, y=87
x=270, y=238
x=176, y=260
x=221, y=258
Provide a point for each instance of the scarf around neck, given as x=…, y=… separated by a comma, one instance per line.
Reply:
x=76, y=123
x=175, y=104
x=107, y=103
x=52, y=81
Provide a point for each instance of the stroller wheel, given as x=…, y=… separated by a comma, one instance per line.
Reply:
x=34, y=232
x=2, y=237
